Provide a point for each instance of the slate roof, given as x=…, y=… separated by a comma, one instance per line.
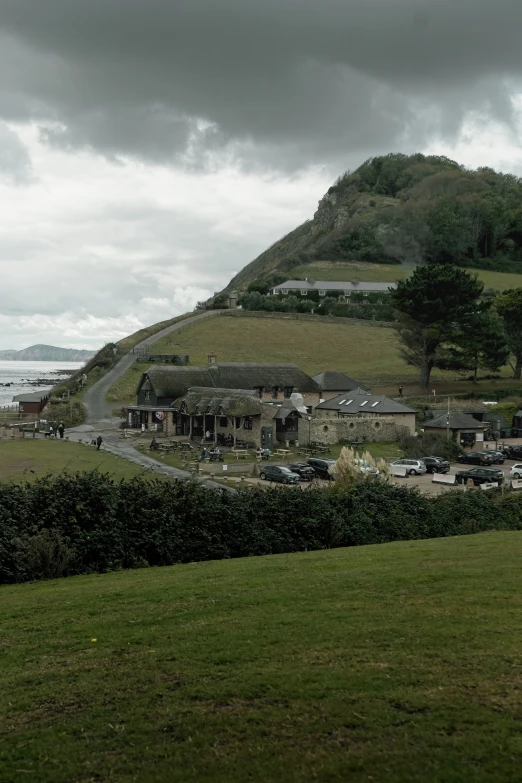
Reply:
x=175, y=381
x=457, y=421
x=334, y=285
x=493, y=418
x=330, y=380
x=31, y=397
x=217, y=402
x=362, y=401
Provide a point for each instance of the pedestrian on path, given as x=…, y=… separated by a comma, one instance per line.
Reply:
x=99, y=441
x=61, y=429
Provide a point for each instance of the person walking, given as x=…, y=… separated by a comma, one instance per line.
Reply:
x=61, y=429
x=99, y=441
x=400, y=392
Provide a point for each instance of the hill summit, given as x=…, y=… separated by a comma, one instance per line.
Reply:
x=400, y=209
x=47, y=353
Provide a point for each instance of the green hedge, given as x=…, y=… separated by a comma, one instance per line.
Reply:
x=85, y=523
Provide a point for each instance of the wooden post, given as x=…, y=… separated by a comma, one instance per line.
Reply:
x=234, y=424
x=215, y=429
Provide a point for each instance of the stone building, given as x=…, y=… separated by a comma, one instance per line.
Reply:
x=360, y=403
x=230, y=415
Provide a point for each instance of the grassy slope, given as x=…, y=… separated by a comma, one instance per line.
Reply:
x=21, y=459
x=365, y=352
x=397, y=663
x=499, y=281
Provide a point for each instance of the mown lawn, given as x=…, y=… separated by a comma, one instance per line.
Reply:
x=384, y=273
x=396, y=663
x=24, y=459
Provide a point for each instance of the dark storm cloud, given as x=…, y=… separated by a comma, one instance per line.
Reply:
x=299, y=80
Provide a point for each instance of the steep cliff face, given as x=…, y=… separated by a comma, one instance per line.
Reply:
x=47, y=353
x=398, y=209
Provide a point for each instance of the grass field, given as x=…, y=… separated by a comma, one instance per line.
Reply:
x=368, y=353
x=24, y=459
x=397, y=663
x=384, y=273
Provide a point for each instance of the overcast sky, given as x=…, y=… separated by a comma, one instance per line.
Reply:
x=149, y=149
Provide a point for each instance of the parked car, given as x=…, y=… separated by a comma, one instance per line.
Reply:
x=516, y=470
x=279, y=473
x=322, y=467
x=436, y=464
x=513, y=452
x=480, y=476
x=414, y=467
x=498, y=457
x=303, y=470
x=476, y=458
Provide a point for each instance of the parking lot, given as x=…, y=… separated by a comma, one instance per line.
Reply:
x=426, y=484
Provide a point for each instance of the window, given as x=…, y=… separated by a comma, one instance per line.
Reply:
x=348, y=293
x=247, y=423
x=322, y=293
x=238, y=422
x=147, y=396
x=365, y=293
x=284, y=290
x=259, y=390
x=303, y=293
x=374, y=404
x=223, y=421
x=363, y=404
x=288, y=391
x=275, y=392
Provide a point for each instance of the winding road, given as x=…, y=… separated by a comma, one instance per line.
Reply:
x=99, y=411
x=94, y=399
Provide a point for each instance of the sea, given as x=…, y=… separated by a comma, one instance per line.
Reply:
x=18, y=374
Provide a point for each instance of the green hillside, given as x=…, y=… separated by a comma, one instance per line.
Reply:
x=361, y=350
x=396, y=663
x=405, y=210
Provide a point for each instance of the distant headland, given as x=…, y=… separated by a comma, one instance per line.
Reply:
x=47, y=353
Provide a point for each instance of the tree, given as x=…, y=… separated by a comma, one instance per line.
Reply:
x=431, y=305
x=479, y=342
x=509, y=307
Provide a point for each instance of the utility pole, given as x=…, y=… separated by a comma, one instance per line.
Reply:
x=448, y=421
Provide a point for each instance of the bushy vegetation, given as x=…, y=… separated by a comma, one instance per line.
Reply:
x=84, y=523
x=407, y=209
x=372, y=307
x=430, y=444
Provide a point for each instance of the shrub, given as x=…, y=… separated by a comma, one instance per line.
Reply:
x=86, y=523
x=430, y=444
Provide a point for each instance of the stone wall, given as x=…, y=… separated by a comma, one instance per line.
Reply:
x=383, y=429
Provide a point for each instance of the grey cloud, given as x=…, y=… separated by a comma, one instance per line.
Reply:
x=297, y=82
x=15, y=163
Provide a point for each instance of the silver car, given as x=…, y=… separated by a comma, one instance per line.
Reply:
x=414, y=467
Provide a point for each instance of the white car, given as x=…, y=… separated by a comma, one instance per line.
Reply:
x=413, y=467
x=516, y=471
x=364, y=467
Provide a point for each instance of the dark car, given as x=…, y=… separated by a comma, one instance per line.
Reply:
x=498, y=457
x=513, y=452
x=436, y=464
x=476, y=458
x=303, y=470
x=322, y=467
x=279, y=473
x=480, y=476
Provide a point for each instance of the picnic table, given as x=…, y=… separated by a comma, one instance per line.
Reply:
x=165, y=447
x=283, y=452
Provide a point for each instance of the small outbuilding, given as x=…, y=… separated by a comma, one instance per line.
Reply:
x=31, y=403
x=464, y=428
x=362, y=403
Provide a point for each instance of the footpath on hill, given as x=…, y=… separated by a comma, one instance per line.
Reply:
x=99, y=412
